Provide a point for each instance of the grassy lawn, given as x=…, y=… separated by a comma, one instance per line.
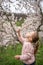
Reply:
x=39, y=56
x=7, y=55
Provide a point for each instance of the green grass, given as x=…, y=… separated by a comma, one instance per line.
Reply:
x=39, y=56
x=7, y=55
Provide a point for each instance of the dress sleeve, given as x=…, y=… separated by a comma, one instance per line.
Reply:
x=25, y=57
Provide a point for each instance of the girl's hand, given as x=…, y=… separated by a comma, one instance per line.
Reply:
x=17, y=57
x=18, y=29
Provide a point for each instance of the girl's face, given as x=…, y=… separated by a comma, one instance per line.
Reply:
x=29, y=36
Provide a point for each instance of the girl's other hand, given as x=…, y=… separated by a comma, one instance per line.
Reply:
x=17, y=57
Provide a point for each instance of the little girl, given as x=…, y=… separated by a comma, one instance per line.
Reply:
x=28, y=51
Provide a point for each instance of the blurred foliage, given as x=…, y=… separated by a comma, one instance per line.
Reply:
x=19, y=22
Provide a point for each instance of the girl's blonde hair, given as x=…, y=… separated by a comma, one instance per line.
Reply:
x=35, y=37
x=35, y=42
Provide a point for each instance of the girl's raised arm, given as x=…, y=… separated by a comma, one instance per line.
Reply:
x=20, y=37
